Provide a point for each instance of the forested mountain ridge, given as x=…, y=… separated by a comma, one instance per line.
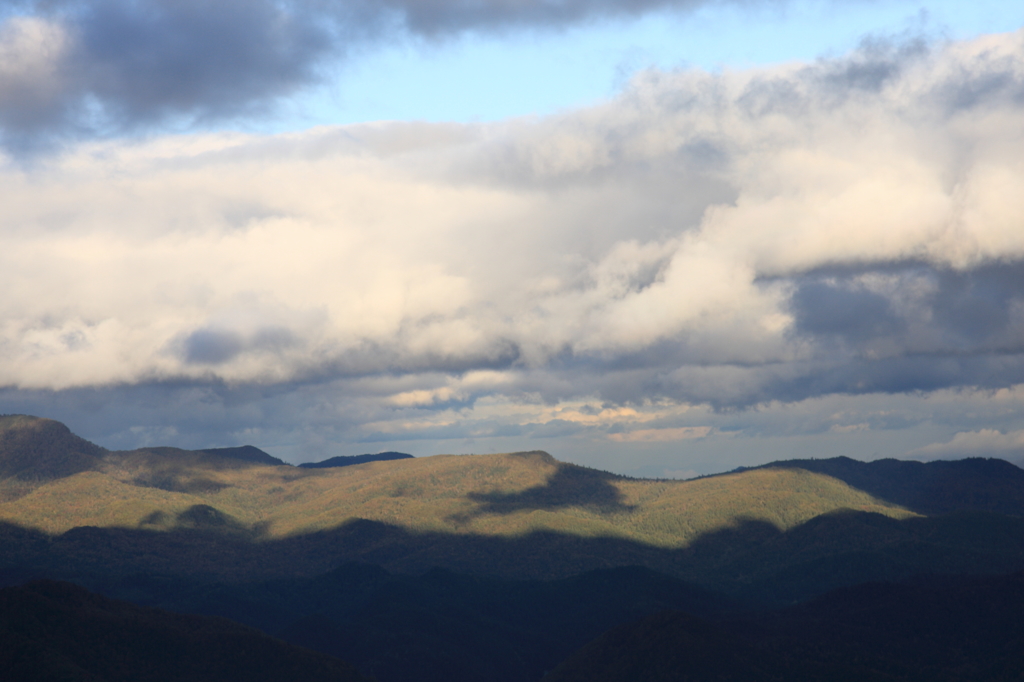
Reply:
x=59, y=631
x=491, y=495
x=962, y=629
x=349, y=460
x=43, y=449
x=779, y=533
x=460, y=568
x=937, y=487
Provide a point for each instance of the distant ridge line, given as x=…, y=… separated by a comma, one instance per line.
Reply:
x=349, y=460
x=246, y=453
x=937, y=487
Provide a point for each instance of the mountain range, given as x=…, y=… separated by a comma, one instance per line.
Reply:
x=500, y=567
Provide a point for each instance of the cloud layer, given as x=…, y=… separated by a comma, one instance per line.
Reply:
x=71, y=69
x=847, y=227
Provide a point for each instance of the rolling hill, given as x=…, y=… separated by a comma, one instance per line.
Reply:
x=938, y=487
x=504, y=495
x=471, y=567
x=349, y=460
x=778, y=533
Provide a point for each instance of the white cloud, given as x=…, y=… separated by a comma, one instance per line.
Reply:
x=848, y=226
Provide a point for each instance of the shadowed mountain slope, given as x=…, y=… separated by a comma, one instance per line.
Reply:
x=245, y=453
x=673, y=646
x=58, y=631
x=42, y=449
x=936, y=487
x=436, y=627
x=950, y=629
x=754, y=559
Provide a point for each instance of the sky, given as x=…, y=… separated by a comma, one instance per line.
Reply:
x=661, y=237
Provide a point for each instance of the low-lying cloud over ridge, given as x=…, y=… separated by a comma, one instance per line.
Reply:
x=849, y=226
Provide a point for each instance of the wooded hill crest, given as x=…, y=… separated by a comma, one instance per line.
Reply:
x=513, y=515
x=460, y=568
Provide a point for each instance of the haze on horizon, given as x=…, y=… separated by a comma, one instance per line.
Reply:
x=218, y=230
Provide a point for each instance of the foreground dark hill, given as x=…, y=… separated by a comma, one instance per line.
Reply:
x=955, y=629
x=753, y=560
x=436, y=627
x=445, y=626
x=59, y=631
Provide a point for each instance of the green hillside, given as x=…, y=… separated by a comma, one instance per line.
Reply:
x=502, y=495
x=461, y=568
x=775, y=534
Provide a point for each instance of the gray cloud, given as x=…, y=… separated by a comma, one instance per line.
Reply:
x=75, y=68
x=440, y=17
x=208, y=346
x=825, y=309
x=109, y=66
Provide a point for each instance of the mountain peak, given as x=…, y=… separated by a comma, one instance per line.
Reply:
x=349, y=460
x=245, y=453
x=38, y=448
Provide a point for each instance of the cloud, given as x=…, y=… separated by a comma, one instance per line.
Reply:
x=981, y=443
x=850, y=226
x=82, y=68
x=438, y=17
x=661, y=435
x=109, y=66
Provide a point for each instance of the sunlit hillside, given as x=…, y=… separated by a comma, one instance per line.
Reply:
x=502, y=494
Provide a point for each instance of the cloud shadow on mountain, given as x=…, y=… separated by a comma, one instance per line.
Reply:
x=569, y=486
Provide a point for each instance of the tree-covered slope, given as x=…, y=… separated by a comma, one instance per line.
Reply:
x=504, y=495
x=34, y=449
x=59, y=631
x=782, y=533
x=951, y=629
x=938, y=487
x=349, y=460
